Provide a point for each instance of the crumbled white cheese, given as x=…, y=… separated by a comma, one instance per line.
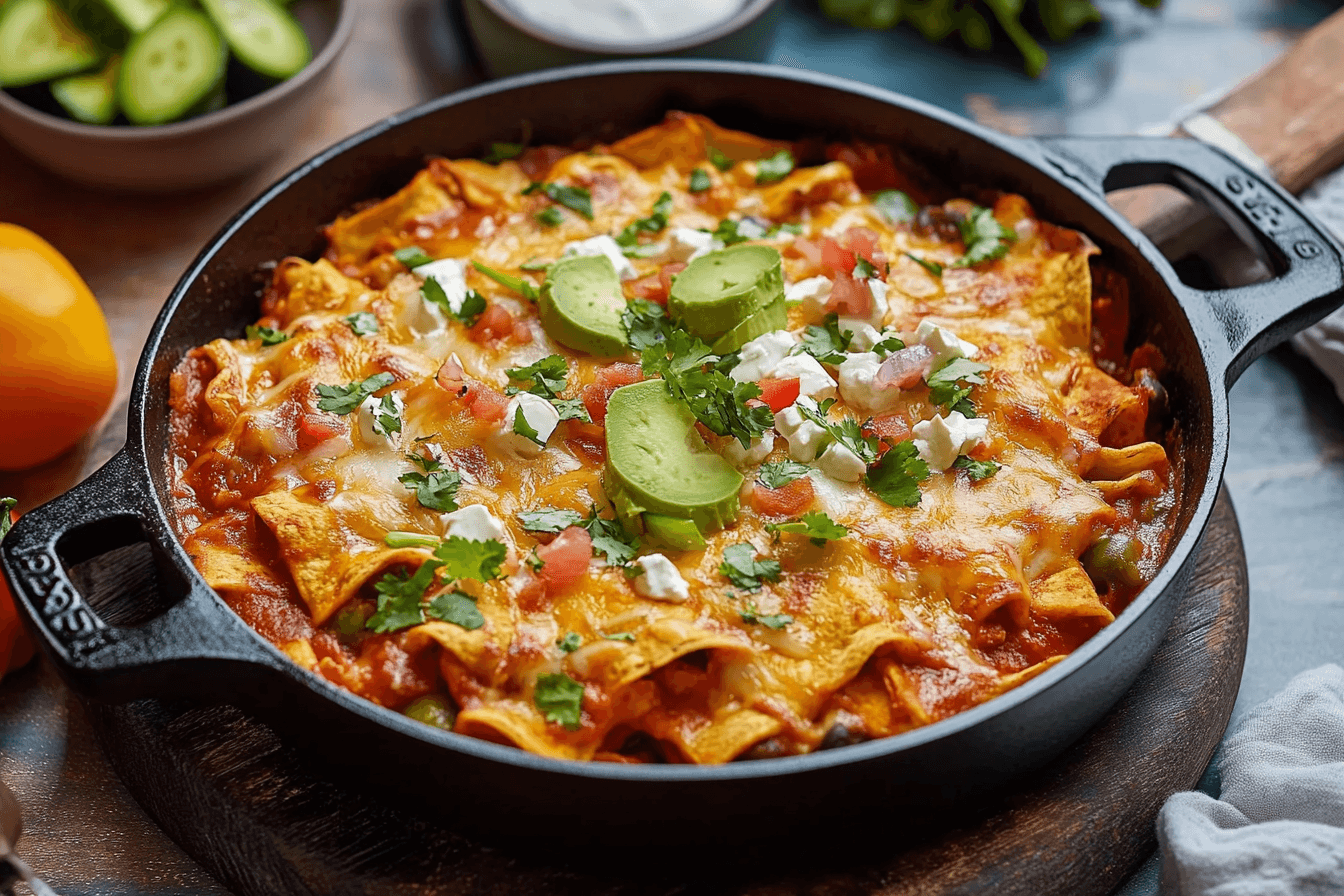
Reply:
x=879, y=290
x=759, y=356
x=450, y=274
x=863, y=335
x=857, y=374
x=604, y=245
x=838, y=462
x=941, y=439
x=813, y=380
x=757, y=451
x=805, y=438
x=475, y=522
x=371, y=430
x=812, y=292
x=687, y=244
x=944, y=343
x=539, y=413
x=661, y=579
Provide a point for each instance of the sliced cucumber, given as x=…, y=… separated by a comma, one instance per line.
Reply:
x=138, y=15
x=170, y=68
x=263, y=35
x=39, y=42
x=91, y=98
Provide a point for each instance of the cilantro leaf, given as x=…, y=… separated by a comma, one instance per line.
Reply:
x=472, y=307
x=984, y=237
x=560, y=699
x=778, y=475
x=775, y=167
x=344, y=399
x=534, y=561
x=570, y=642
x=361, y=323
x=458, y=608
x=435, y=489
x=399, y=598
x=466, y=559
x=896, y=476
x=6, y=505
x=863, y=268
x=700, y=181
x=610, y=539
x=524, y=288
x=716, y=400
x=500, y=152
x=387, y=417
x=550, y=216
x=827, y=343
x=620, y=636
x=412, y=256
x=654, y=223
x=888, y=345
x=932, y=267
x=730, y=231
x=895, y=206
x=571, y=409
x=680, y=353
x=846, y=431
x=817, y=526
x=575, y=198
x=718, y=159
x=776, y=621
x=525, y=429
x=549, y=520
x=976, y=469
x=266, y=335
x=545, y=377
x=944, y=388
x=744, y=571
x=645, y=323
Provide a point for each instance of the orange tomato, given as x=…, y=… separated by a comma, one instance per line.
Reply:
x=58, y=372
x=16, y=648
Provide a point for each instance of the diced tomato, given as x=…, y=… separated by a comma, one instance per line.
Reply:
x=836, y=258
x=495, y=323
x=316, y=428
x=667, y=272
x=522, y=333
x=791, y=500
x=608, y=380
x=486, y=404
x=850, y=298
x=779, y=394
x=892, y=429
x=566, y=559
x=862, y=241
x=810, y=250
x=650, y=287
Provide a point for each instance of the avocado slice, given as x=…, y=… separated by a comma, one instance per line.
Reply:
x=721, y=290
x=774, y=316
x=581, y=305
x=674, y=532
x=657, y=465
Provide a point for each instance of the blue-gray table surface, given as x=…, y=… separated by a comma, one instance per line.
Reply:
x=1285, y=468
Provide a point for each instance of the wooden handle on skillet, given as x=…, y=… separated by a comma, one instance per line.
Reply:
x=1290, y=114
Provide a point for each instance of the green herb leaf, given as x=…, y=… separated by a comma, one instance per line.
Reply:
x=729, y=231
x=932, y=267
x=718, y=159
x=775, y=167
x=610, y=539
x=654, y=223
x=545, y=377
x=620, y=636
x=266, y=335
x=525, y=429
x=435, y=489
x=896, y=476
x=396, y=539
x=458, y=608
x=895, y=206
x=984, y=237
x=387, y=418
x=534, y=561
x=887, y=346
x=846, y=431
x=863, y=268
x=976, y=469
x=500, y=152
x=646, y=324
x=575, y=198
x=827, y=343
x=778, y=475
x=700, y=181
x=344, y=399
x=6, y=505
x=550, y=216
x=777, y=621
x=560, y=699
x=524, y=288
x=466, y=559
x=549, y=520
x=746, y=572
x=817, y=526
x=400, y=597
x=412, y=256
x=361, y=323
x=570, y=642
x=944, y=384
x=571, y=409
x=716, y=400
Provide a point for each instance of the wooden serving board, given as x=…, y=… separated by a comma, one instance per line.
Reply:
x=253, y=812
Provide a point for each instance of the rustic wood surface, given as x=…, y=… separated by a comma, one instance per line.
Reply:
x=252, y=811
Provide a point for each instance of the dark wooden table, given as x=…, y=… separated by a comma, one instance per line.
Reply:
x=1286, y=470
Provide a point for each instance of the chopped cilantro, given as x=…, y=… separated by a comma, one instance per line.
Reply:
x=549, y=520
x=570, y=642
x=6, y=505
x=387, y=417
x=746, y=572
x=846, y=431
x=525, y=429
x=645, y=323
x=827, y=343
x=620, y=636
x=550, y=216
x=396, y=539
x=435, y=488
x=778, y=475
x=730, y=231
x=895, y=206
x=473, y=303
x=344, y=399
x=458, y=608
x=888, y=345
x=560, y=699
x=775, y=167
x=932, y=267
x=361, y=323
x=863, y=268
x=790, y=229
x=500, y=152
x=777, y=621
x=984, y=237
x=534, y=561
x=572, y=409
x=896, y=476
x=267, y=335
x=545, y=377
x=466, y=559
x=944, y=384
x=654, y=223
x=524, y=288
x=610, y=539
x=716, y=400
x=700, y=181
x=575, y=198
x=976, y=469
x=818, y=527
x=412, y=256
x=718, y=159
x=399, y=598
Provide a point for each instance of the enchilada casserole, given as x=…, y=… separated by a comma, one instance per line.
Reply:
x=678, y=449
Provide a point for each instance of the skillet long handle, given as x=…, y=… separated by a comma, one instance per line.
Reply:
x=192, y=647
x=1308, y=263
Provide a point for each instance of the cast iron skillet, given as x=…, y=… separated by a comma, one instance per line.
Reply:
x=197, y=647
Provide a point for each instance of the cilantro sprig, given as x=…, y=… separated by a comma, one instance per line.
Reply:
x=387, y=417
x=266, y=335
x=742, y=568
x=435, y=487
x=401, y=597
x=471, y=308
x=545, y=378
x=847, y=431
x=718, y=159
x=827, y=343
x=550, y=216
x=700, y=181
x=570, y=642
x=818, y=527
x=609, y=537
x=945, y=384
x=412, y=256
x=774, y=168
x=984, y=237
x=895, y=206
x=896, y=476
x=976, y=469
x=646, y=324
x=361, y=323
x=344, y=399
x=776, y=621
x=716, y=400
x=577, y=199
x=654, y=223
x=560, y=699
x=778, y=475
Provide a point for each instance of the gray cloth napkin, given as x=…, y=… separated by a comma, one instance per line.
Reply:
x=1278, y=829
x=1323, y=344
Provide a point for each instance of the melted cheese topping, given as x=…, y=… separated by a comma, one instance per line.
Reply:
x=916, y=614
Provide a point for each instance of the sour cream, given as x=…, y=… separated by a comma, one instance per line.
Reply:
x=625, y=22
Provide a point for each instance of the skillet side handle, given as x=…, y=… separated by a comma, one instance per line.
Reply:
x=189, y=648
x=1308, y=262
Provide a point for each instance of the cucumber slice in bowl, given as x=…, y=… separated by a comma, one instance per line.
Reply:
x=90, y=98
x=263, y=35
x=171, y=68
x=39, y=42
